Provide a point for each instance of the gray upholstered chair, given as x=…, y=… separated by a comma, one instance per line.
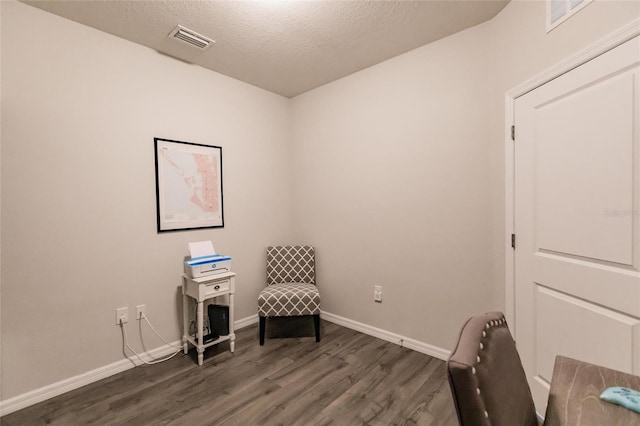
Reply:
x=291, y=286
x=487, y=380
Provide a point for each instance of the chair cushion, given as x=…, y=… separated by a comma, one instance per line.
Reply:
x=289, y=299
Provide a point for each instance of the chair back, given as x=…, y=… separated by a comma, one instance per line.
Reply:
x=487, y=380
x=291, y=264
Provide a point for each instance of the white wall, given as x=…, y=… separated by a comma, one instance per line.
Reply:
x=393, y=188
x=398, y=181
x=400, y=170
x=80, y=109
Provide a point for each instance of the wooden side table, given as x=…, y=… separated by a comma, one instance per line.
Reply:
x=203, y=289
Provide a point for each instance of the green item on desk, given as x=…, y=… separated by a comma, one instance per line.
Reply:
x=626, y=397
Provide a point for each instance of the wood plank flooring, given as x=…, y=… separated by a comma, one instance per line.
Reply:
x=349, y=378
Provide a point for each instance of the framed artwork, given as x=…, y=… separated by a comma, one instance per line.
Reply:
x=188, y=185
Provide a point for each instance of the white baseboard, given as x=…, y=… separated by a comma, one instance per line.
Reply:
x=398, y=339
x=42, y=394
x=245, y=322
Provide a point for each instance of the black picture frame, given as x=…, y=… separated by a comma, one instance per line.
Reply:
x=188, y=185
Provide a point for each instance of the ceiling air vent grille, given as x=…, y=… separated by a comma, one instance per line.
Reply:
x=191, y=37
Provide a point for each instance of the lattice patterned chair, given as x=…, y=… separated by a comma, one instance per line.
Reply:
x=487, y=380
x=291, y=286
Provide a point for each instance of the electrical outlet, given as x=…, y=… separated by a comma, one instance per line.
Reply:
x=122, y=314
x=140, y=309
x=377, y=293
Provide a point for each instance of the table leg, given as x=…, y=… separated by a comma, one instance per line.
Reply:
x=200, y=315
x=185, y=322
x=232, y=334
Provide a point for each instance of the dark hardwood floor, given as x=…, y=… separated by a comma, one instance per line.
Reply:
x=349, y=378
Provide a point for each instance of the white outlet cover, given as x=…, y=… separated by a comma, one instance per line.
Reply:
x=122, y=312
x=139, y=310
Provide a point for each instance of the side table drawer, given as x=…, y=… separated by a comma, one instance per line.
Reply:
x=207, y=289
x=212, y=288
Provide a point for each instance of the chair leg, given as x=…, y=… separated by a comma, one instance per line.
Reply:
x=263, y=321
x=316, y=323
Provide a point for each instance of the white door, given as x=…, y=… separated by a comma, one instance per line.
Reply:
x=577, y=218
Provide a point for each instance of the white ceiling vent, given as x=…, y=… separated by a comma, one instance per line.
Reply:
x=188, y=36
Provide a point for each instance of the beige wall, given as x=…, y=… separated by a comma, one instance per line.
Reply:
x=80, y=109
x=393, y=187
x=397, y=179
x=400, y=170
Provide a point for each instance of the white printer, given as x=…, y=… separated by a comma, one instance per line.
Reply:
x=205, y=261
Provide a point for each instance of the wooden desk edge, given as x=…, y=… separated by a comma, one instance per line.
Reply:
x=575, y=394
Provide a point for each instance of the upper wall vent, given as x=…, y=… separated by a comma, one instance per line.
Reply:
x=188, y=36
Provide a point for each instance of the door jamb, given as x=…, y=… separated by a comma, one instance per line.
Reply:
x=605, y=44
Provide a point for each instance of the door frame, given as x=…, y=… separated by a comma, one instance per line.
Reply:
x=603, y=45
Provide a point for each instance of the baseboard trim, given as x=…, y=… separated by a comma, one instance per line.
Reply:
x=42, y=394
x=245, y=322
x=398, y=339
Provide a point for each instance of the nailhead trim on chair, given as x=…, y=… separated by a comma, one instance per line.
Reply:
x=488, y=326
x=487, y=380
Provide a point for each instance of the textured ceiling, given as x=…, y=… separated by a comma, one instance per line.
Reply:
x=287, y=47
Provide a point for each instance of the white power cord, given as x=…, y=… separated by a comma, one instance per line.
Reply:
x=154, y=361
x=158, y=334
